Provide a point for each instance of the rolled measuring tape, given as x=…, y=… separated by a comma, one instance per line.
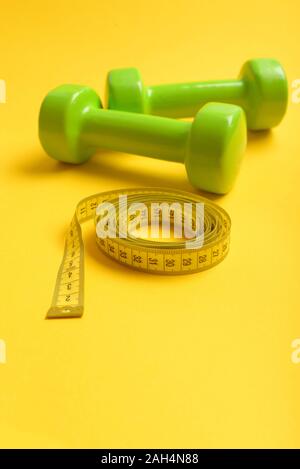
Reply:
x=147, y=255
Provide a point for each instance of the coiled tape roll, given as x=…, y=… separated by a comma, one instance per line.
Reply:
x=147, y=255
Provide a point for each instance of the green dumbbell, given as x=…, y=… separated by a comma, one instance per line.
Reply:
x=72, y=126
x=261, y=90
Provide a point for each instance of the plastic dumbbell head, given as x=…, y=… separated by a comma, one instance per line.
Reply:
x=125, y=91
x=60, y=122
x=216, y=146
x=266, y=92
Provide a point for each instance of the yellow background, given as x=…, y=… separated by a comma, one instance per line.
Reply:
x=193, y=361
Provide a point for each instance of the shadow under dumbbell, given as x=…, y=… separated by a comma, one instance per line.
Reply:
x=260, y=136
x=129, y=169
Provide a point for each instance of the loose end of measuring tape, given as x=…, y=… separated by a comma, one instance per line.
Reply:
x=56, y=312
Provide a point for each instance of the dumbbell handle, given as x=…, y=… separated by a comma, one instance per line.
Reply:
x=185, y=99
x=145, y=135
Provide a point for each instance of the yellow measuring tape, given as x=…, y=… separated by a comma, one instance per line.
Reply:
x=146, y=255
